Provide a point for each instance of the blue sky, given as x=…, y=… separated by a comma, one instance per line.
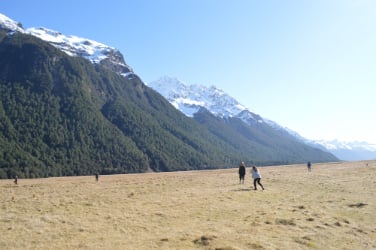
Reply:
x=309, y=65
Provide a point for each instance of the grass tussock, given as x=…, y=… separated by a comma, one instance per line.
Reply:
x=331, y=207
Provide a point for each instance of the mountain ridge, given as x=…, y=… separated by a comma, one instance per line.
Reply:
x=190, y=98
x=95, y=52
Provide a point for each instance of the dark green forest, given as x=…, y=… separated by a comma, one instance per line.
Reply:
x=64, y=116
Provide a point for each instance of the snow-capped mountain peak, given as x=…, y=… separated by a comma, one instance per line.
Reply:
x=191, y=98
x=72, y=45
x=95, y=52
x=9, y=24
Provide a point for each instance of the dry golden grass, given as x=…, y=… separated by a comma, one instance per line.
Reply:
x=333, y=207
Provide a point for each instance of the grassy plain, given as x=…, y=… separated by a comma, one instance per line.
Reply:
x=333, y=207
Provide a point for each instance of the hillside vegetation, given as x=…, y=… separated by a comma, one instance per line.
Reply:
x=265, y=145
x=64, y=116
x=332, y=207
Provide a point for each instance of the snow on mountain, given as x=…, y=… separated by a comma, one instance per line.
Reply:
x=348, y=151
x=93, y=51
x=72, y=45
x=335, y=144
x=8, y=24
x=190, y=98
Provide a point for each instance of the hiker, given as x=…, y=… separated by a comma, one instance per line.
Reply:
x=309, y=166
x=16, y=180
x=256, y=177
x=241, y=173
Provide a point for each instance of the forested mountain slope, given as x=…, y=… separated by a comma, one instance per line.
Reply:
x=62, y=115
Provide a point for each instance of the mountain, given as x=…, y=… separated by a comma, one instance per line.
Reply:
x=64, y=114
x=10, y=25
x=264, y=140
x=348, y=151
x=190, y=99
x=93, y=51
x=72, y=106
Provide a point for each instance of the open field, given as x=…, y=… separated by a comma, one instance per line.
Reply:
x=333, y=207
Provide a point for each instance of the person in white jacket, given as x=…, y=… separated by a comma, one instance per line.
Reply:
x=256, y=177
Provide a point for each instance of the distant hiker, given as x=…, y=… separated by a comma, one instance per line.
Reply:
x=256, y=177
x=309, y=165
x=96, y=176
x=241, y=173
x=16, y=180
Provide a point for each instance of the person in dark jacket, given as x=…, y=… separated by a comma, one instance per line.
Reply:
x=309, y=166
x=241, y=173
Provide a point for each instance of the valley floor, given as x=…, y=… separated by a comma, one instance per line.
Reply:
x=332, y=207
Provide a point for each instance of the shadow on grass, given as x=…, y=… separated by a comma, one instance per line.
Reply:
x=358, y=205
x=242, y=189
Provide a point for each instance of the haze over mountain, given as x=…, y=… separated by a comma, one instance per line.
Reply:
x=348, y=151
x=72, y=106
